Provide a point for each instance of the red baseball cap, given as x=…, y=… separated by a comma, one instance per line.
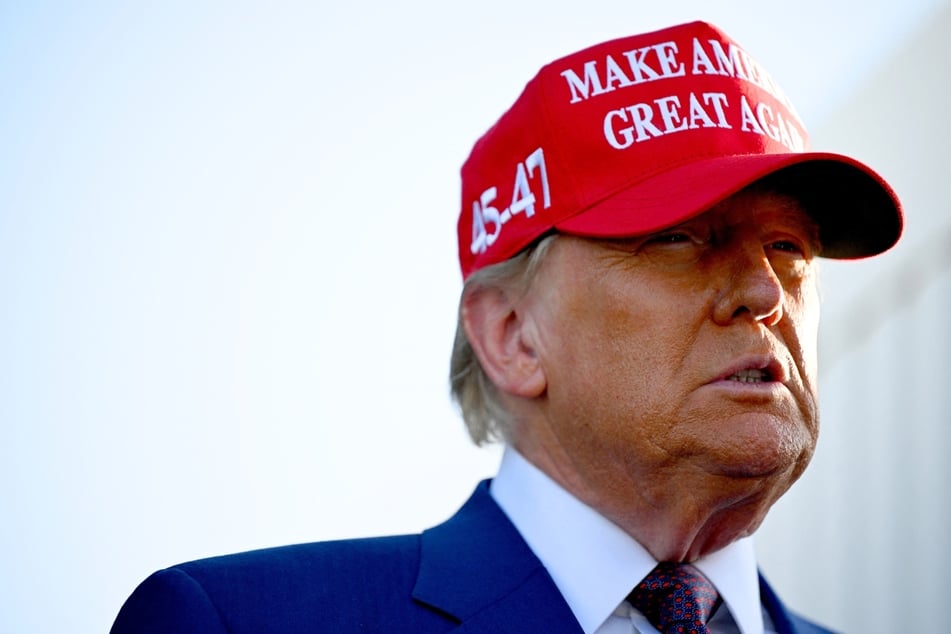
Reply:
x=642, y=133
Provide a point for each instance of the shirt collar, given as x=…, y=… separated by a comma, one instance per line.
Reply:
x=593, y=562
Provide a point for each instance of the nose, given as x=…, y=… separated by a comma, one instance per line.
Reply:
x=752, y=289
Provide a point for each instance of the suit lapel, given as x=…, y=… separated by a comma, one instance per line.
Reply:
x=478, y=569
x=777, y=612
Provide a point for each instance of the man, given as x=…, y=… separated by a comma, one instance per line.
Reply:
x=638, y=239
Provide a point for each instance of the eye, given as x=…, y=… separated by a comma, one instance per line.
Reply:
x=678, y=248
x=792, y=247
x=681, y=244
x=669, y=238
x=786, y=246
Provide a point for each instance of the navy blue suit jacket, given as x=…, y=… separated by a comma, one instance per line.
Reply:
x=474, y=573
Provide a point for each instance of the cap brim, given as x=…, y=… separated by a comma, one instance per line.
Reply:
x=858, y=213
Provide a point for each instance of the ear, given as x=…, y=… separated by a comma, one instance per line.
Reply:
x=501, y=340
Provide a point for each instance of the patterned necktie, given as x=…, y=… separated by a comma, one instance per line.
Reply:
x=675, y=598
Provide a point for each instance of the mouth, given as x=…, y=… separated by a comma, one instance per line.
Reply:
x=756, y=370
x=760, y=375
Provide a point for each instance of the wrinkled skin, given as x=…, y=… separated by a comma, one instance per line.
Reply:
x=669, y=380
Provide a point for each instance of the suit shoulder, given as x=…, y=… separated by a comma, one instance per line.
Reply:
x=168, y=601
x=310, y=557
x=275, y=589
x=309, y=571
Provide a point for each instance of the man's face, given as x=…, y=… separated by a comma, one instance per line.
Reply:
x=689, y=351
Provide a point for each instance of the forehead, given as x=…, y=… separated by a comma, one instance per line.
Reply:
x=755, y=205
x=754, y=209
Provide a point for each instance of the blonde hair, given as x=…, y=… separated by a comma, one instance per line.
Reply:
x=476, y=396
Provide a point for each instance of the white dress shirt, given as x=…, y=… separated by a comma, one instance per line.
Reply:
x=595, y=564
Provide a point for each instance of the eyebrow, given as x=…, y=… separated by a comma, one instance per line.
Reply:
x=793, y=212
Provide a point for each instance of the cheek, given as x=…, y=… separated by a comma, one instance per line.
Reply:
x=618, y=353
x=801, y=338
x=618, y=331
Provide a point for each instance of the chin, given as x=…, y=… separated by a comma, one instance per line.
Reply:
x=749, y=470
x=761, y=447
x=744, y=464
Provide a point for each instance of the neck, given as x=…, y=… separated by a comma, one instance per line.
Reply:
x=676, y=514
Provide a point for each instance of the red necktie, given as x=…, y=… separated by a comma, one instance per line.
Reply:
x=675, y=598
